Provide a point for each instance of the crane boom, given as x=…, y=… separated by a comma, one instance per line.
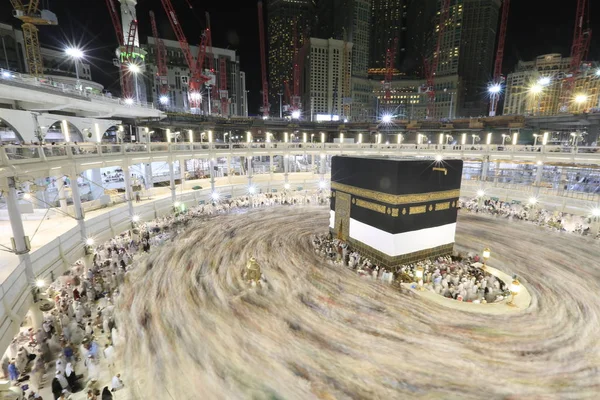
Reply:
x=161, y=57
x=114, y=16
x=432, y=68
x=183, y=43
x=263, y=62
x=498, y=80
x=196, y=79
x=581, y=35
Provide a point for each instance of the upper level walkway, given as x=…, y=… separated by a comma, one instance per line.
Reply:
x=41, y=94
x=31, y=159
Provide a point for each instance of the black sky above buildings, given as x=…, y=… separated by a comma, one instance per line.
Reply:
x=535, y=27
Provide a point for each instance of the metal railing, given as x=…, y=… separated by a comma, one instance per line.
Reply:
x=18, y=154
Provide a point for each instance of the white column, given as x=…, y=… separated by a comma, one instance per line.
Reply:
x=211, y=167
x=229, y=167
x=286, y=167
x=485, y=163
x=79, y=215
x=21, y=248
x=172, y=180
x=96, y=183
x=148, y=175
x=538, y=178
x=249, y=160
x=271, y=164
x=128, y=189
x=312, y=163
x=60, y=182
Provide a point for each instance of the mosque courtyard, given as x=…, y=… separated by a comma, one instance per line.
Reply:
x=192, y=326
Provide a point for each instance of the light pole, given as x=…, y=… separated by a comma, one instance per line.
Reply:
x=494, y=91
x=76, y=54
x=280, y=104
x=135, y=70
x=536, y=90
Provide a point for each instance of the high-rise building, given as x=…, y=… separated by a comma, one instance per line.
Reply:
x=420, y=29
x=476, y=54
x=534, y=88
x=389, y=18
x=325, y=67
x=178, y=75
x=282, y=17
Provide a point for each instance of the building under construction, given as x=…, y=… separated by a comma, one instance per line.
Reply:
x=178, y=76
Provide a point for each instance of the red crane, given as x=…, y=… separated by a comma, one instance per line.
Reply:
x=263, y=62
x=581, y=40
x=390, y=57
x=214, y=94
x=126, y=50
x=161, y=62
x=431, y=68
x=197, y=79
x=498, y=80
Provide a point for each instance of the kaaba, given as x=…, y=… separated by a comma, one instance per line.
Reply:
x=395, y=210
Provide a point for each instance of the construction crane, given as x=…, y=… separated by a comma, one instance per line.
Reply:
x=161, y=62
x=581, y=41
x=495, y=88
x=126, y=45
x=263, y=63
x=196, y=79
x=431, y=67
x=390, y=57
x=31, y=16
x=214, y=82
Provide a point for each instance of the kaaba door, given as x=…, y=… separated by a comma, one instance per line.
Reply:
x=342, y=215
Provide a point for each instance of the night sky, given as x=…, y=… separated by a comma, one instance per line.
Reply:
x=535, y=27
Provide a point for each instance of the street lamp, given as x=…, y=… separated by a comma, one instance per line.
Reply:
x=544, y=81
x=535, y=139
x=504, y=137
x=386, y=118
x=475, y=137
x=536, y=90
x=515, y=288
x=486, y=255
x=164, y=100
x=419, y=277
x=580, y=99
x=76, y=54
x=494, y=90
x=312, y=137
x=449, y=138
x=135, y=69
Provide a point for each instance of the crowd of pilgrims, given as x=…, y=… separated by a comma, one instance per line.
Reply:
x=459, y=277
x=81, y=320
x=554, y=220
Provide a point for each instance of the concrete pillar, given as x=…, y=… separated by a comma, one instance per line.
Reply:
x=96, y=185
x=20, y=242
x=271, y=164
x=62, y=199
x=148, y=175
x=286, y=166
x=128, y=189
x=211, y=168
x=249, y=160
x=538, y=179
x=172, y=180
x=497, y=172
x=79, y=215
x=485, y=165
